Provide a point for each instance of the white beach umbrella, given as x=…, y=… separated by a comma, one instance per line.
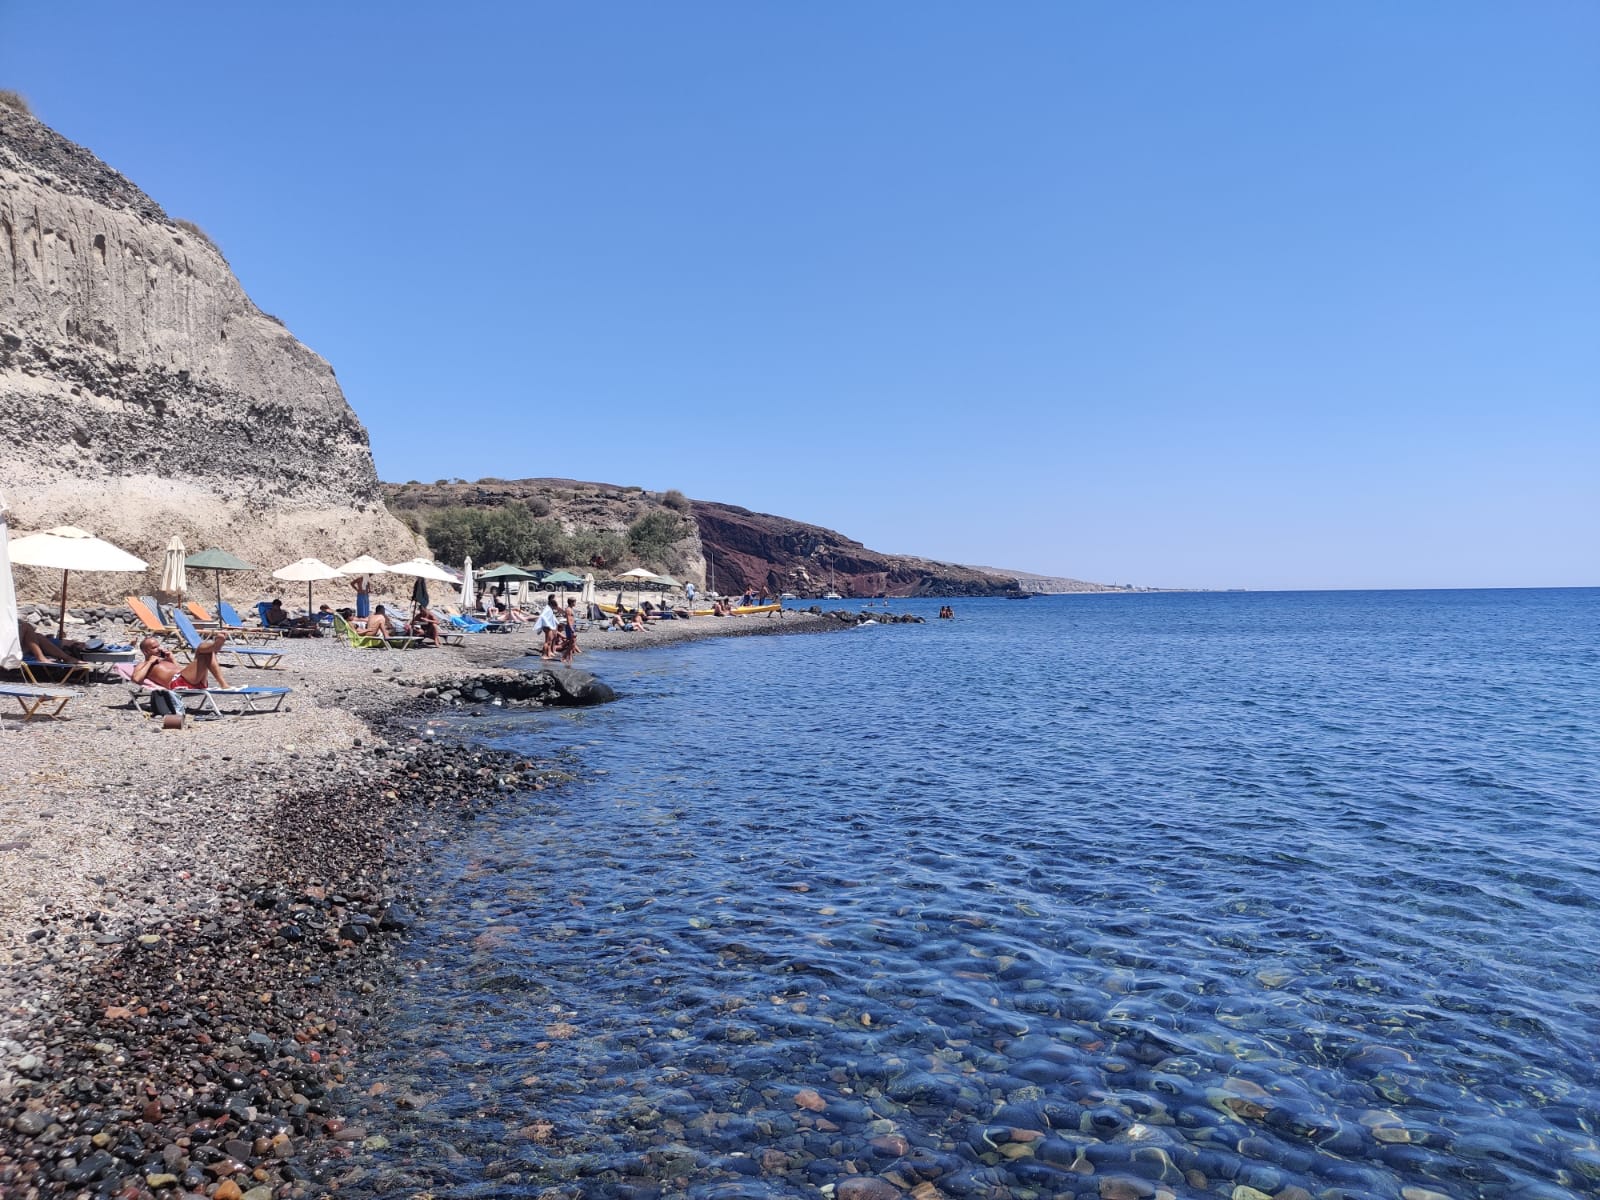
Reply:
x=10, y=642
x=468, y=596
x=174, y=578
x=307, y=571
x=640, y=575
x=67, y=549
x=586, y=597
x=421, y=568
x=363, y=568
x=365, y=565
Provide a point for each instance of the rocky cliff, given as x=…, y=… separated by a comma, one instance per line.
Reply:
x=727, y=548
x=143, y=394
x=747, y=549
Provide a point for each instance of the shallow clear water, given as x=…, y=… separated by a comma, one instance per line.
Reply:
x=1073, y=896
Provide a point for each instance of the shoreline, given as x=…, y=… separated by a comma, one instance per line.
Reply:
x=237, y=916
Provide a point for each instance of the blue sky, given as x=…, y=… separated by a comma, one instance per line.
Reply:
x=1216, y=295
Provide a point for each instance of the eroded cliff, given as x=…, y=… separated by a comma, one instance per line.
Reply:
x=143, y=394
x=747, y=549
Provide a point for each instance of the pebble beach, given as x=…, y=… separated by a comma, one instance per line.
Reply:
x=193, y=920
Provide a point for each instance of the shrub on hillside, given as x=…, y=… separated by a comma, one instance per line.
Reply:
x=652, y=535
x=510, y=533
x=676, y=500
x=15, y=101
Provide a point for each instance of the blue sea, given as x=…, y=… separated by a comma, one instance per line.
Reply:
x=1236, y=895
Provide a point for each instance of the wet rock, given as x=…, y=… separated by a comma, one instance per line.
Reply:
x=866, y=1187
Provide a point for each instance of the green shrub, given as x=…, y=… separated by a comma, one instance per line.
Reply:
x=676, y=500
x=510, y=533
x=652, y=535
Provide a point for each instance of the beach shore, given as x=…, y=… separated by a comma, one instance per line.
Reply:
x=221, y=896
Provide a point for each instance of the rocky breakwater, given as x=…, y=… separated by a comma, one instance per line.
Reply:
x=549, y=688
x=845, y=617
x=774, y=554
x=142, y=392
x=204, y=1051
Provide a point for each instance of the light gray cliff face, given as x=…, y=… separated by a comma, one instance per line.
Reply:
x=143, y=394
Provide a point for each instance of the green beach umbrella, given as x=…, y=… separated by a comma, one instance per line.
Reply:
x=218, y=561
x=507, y=573
x=562, y=579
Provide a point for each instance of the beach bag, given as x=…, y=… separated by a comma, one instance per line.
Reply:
x=165, y=704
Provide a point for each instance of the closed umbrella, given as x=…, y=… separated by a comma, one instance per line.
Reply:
x=468, y=596
x=586, y=597
x=217, y=561
x=174, y=579
x=307, y=571
x=67, y=549
x=10, y=641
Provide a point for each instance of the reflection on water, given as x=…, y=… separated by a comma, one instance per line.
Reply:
x=1124, y=896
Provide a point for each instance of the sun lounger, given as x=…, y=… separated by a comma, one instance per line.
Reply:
x=366, y=641
x=477, y=624
x=53, y=670
x=200, y=702
x=146, y=616
x=200, y=614
x=235, y=626
x=254, y=655
x=36, y=697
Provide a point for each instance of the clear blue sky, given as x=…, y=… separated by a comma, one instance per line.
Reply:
x=1221, y=294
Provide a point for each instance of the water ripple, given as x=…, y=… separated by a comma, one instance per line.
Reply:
x=1082, y=897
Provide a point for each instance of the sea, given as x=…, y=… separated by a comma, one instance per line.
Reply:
x=1118, y=896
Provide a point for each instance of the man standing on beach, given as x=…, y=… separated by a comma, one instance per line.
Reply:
x=547, y=625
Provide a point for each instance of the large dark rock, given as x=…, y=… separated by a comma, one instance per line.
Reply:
x=580, y=688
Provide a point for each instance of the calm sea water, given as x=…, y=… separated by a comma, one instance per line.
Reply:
x=1082, y=896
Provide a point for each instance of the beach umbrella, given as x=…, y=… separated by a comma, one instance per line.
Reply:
x=468, y=596
x=174, y=580
x=67, y=549
x=562, y=580
x=363, y=568
x=307, y=571
x=586, y=598
x=217, y=561
x=639, y=575
x=10, y=640
x=421, y=568
x=509, y=572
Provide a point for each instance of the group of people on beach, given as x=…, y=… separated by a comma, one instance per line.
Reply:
x=559, y=627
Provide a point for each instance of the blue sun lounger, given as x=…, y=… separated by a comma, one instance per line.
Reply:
x=256, y=656
x=35, y=697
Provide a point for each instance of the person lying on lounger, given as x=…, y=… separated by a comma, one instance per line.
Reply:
x=380, y=624
x=160, y=668
x=38, y=645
